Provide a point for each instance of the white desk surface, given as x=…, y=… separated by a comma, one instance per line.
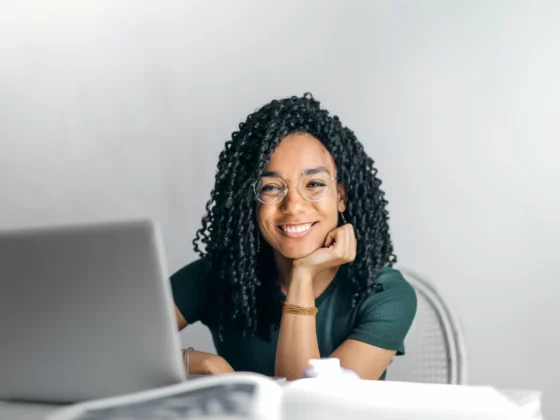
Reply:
x=20, y=411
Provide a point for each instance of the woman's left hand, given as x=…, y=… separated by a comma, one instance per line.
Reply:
x=339, y=248
x=202, y=363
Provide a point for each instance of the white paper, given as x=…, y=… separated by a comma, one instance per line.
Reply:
x=358, y=399
x=235, y=396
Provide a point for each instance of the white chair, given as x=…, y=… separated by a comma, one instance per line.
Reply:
x=435, y=349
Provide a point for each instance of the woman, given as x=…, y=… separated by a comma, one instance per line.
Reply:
x=297, y=253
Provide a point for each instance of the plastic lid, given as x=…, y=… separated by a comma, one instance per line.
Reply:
x=325, y=366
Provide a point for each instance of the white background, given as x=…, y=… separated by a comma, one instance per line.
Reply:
x=119, y=109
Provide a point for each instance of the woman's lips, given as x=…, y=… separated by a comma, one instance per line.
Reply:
x=298, y=230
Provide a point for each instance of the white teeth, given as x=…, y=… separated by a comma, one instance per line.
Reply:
x=296, y=229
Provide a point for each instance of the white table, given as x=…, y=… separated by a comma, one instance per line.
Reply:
x=528, y=400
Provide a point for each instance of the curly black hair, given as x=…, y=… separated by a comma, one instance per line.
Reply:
x=240, y=263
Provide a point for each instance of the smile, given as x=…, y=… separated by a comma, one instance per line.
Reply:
x=296, y=230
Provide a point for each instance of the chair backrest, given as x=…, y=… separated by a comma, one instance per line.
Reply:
x=435, y=349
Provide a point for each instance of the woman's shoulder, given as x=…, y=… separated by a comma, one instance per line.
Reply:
x=395, y=290
x=193, y=270
x=393, y=279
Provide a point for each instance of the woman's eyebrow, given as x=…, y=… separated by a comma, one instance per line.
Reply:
x=316, y=170
x=310, y=171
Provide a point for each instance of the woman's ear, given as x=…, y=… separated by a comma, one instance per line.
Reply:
x=341, y=197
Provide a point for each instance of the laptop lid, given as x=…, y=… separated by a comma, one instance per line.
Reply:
x=85, y=312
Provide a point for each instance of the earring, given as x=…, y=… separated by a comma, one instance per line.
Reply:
x=343, y=218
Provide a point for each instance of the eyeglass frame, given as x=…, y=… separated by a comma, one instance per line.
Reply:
x=285, y=190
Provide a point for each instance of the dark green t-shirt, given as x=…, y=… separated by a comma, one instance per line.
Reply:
x=382, y=319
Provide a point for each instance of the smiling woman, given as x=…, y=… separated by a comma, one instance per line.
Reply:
x=297, y=259
x=306, y=213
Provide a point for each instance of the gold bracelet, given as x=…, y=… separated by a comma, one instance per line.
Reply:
x=299, y=310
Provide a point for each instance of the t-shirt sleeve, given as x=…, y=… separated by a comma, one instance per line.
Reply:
x=189, y=288
x=385, y=317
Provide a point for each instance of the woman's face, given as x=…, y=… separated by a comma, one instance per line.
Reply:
x=295, y=227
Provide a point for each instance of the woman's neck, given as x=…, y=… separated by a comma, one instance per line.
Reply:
x=320, y=282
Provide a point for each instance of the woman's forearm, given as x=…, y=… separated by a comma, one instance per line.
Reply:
x=297, y=339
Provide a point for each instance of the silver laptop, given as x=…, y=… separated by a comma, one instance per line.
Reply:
x=85, y=312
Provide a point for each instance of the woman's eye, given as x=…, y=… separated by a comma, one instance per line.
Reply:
x=266, y=188
x=315, y=184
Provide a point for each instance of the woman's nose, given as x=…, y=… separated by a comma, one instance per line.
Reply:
x=293, y=199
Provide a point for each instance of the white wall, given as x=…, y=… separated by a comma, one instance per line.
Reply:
x=116, y=109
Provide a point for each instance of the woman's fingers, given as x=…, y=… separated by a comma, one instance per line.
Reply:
x=352, y=245
x=330, y=239
x=339, y=248
x=343, y=242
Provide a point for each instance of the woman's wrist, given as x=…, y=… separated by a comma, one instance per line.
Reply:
x=301, y=275
x=300, y=291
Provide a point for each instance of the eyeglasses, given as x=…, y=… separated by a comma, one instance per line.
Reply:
x=312, y=187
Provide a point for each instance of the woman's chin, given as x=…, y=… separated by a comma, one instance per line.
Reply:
x=294, y=253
